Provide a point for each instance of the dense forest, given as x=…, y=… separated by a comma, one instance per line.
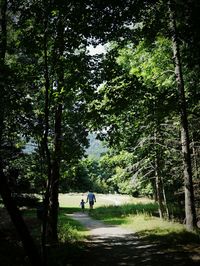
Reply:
x=140, y=96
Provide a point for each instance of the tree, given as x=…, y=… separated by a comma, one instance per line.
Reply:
x=59, y=68
x=189, y=193
x=5, y=192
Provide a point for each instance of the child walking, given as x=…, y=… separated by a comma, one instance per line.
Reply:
x=82, y=204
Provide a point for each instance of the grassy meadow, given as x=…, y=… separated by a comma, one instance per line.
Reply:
x=72, y=200
x=137, y=214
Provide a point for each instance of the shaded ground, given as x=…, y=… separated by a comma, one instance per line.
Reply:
x=112, y=245
x=11, y=250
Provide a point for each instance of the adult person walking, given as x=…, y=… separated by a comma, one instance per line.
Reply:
x=91, y=198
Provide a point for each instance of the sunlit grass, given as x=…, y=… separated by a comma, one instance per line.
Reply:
x=156, y=229
x=138, y=214
x=72, y=200
x=71, y=236
x=108, y=206
x=143, y=219
x=107, y=213
x=70, y=230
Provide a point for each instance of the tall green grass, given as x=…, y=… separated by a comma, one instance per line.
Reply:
x=144, y=221
x=71, y=236
x=69, y=230
x=107, y=213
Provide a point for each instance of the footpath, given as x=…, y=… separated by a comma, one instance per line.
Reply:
x=112, y=246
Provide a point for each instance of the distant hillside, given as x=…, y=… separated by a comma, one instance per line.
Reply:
x=96, y=147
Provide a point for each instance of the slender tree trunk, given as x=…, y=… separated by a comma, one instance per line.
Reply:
x=159, y=189
x=189, y=193
x=55, y=175
x=3, y=45
x=195, y=156
x=165, y=199
x=45, y=139
x=54, y=203
x=158, y=179
x=3, y=31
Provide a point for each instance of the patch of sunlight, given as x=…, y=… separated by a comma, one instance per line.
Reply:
x=141, y=222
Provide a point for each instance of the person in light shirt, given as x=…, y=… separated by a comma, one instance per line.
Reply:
x=91, y=198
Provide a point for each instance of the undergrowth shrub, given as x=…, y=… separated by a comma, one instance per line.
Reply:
x=28, y=200
x=68, y=233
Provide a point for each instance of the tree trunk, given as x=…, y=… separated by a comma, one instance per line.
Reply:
x=45, y=140
x=54, y=204
x=159, y=189
x=190, y=212
x=55, y=175
x=194, y=161
x=3, y=45
x=16, y=217
x=3, y=31
x=28, y=244
x=165, y=199
x=158, y=178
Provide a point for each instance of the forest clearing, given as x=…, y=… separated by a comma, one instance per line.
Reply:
x=99, y=96
x=129, y=233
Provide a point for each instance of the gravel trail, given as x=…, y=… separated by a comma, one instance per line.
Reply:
x=112, y=246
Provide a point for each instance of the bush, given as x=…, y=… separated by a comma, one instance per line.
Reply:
x=27, y=200
x=68, y=233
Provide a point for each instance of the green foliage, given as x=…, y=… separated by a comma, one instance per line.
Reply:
x=75, y=179
x=86, y=175
x=127, y=95
x=112, y=172
x=138, y=110
x=150, y=63
x=69, y=231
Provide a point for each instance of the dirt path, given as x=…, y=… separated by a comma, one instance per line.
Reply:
x=97, y=228
x=113, y=245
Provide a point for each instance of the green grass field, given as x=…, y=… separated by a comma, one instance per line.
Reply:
x=138, y=214
x=72, y=200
